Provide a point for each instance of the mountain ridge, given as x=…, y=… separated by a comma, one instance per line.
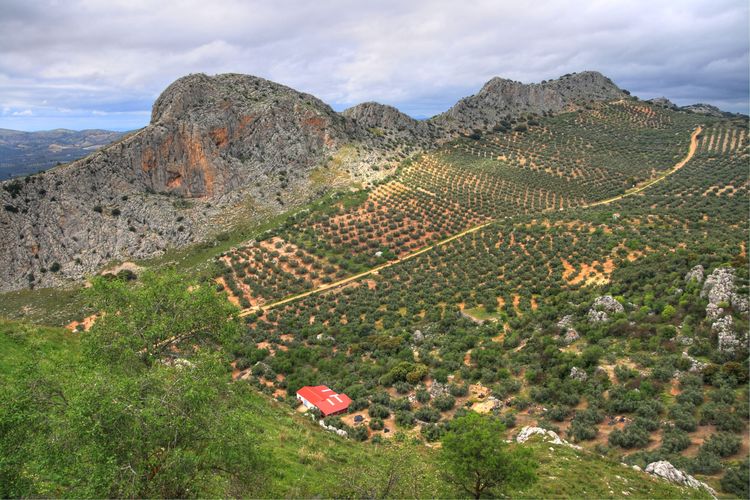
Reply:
x=217, y=143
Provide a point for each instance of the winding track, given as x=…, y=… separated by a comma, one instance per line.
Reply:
x=636, y=190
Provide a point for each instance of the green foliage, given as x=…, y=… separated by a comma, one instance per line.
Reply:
x=737, y=480
x=479, y=462
x=123, y=423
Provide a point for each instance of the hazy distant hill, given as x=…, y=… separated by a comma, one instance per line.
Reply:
x=23, y=153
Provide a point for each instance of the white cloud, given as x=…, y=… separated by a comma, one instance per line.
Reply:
x=25, y=112
x=419, y=55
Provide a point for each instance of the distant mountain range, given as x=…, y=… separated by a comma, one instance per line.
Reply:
x=23, y=153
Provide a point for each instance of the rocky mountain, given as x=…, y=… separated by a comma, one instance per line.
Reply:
x=381, y=119
x=23, y=153
x=705, y=109
x=500, y=98
x=221, y=149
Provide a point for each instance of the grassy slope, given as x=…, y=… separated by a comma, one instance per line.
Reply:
x=305, y=461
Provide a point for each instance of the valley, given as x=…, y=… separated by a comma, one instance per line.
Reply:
x=575, y=263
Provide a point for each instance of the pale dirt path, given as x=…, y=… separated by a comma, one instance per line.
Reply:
x=374, y=270
x=691, y=152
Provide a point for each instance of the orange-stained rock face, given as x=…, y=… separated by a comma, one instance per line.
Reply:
x=148, y=160
x=219, y=136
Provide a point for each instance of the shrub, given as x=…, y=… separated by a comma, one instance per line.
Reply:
x=444, y=402
x=55, y=267
x=427, y=414
x=432, y=432
x=376, y=424
x=683, y=418
x=378, y=411
x=458, y=390
x=358, y=433
x=405, y=418
x=508, y=420
x=730, y=422
x=704, y=463
x=632, y=436
x=422, y=395
x=722, y=444
x=674, y=440
x=737, y=479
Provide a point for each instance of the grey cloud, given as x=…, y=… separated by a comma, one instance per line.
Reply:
x=114, y=57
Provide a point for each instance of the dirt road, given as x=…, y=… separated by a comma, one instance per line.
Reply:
x=638, y=189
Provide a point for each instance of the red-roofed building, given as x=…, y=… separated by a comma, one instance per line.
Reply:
x=324, y=399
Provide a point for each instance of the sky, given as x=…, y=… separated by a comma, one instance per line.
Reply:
x=101, y=64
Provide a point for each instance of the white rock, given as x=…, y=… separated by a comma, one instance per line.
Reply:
x=696, y=274
x=578, y=374
x=548, y=436
x=666, y=470
x=603, y=307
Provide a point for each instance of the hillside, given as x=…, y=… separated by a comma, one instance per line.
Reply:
x=224, y=151
x=25, y=153
x=557, y=255
x=305, y=462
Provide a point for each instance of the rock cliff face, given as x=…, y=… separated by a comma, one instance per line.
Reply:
x=218, y=145
x=500, y=98
x=212, y=142
x=383, y=119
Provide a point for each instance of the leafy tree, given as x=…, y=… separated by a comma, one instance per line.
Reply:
x=477, y=459
x=131, y=419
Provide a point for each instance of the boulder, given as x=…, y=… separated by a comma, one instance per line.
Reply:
x=724, y=329
x=437, y=389
x=696, y=274
x=603, y=307
x=720, y=288
x=548, y=436
x=330, y=428
x=566, y=322
x=571, y=336
x=578, y=374
x=666, y=470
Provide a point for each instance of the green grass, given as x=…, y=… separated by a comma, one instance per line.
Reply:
x=481, y=314
x=568, y=473
x=49, y=306
x=22, y=343
x=302, y=460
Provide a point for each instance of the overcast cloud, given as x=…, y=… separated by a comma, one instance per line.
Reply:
x=100, y=64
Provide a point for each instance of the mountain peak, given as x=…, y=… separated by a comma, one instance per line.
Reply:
x=500, y=97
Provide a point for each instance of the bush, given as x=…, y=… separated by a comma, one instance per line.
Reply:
x=632, y=436
x=704, y=463
x=432, y=432
x=55, y=267
x=376, y=424
x=558, y=413
x=378, y=411
x=422, y=395
x=458, y=390
x=683, y=418
x=730, y=422
x=722, y=444
x=405, y=418
x=444, y=402
x=508, y=420
x=427, y=414
x=674, y=440
x=737, y=479
x=358, y=433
